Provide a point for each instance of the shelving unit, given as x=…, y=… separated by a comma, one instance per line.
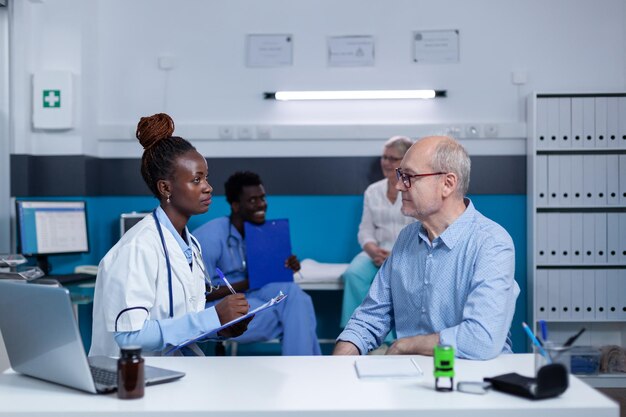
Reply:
x=576, y=155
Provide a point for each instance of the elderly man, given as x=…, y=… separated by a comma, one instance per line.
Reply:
x=450, y=276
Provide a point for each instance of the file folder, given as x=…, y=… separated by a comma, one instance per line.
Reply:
x=553, y=238
x=589, y=181
x=267, y=247
x=613, y=305
x=622, y=179
x=577, y=238
x=577, y=167
x=577, y=294
x=553, y=180
x=541, y=239
x=565, y=294
x=541, y=181
x=553, y=293
x=589, y=122
x=600, y=239
x=553, y=122
x=565, y=238
x=565, y=122
x=589, y=294
x=542, y=124
x=612, y=180
x=612, y=122
x=578, y=135
x=622, y=123
x=565, y=181
x=600, y=180
x=601, y=313
x=622, y=238
x=612, y=238
x=589, y=236
x=541, y=293
x=601, y=104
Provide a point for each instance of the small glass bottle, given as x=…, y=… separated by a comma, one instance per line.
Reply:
x=130, y=373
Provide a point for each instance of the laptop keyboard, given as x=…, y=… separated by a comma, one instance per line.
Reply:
x=104, y=376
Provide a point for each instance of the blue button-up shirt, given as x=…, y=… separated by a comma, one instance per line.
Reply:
x=461, y=285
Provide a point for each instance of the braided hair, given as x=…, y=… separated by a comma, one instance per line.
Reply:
x=160, y=149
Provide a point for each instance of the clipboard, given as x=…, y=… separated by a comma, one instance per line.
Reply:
x=268, y=245
x=271, y=303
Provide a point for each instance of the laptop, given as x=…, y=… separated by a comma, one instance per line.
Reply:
x=42, y=340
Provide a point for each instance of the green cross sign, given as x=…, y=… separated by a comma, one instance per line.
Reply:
x=52, y=98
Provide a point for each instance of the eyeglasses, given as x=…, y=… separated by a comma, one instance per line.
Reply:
x=390, y=158
x=406, y=178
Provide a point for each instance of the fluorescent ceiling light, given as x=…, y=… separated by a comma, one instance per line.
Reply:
x=354, y=95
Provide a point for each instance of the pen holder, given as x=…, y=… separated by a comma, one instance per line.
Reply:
x=552, y=353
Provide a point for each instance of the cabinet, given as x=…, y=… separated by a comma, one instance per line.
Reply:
x=576, y=155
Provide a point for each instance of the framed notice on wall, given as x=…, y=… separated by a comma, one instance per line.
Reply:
x=436, y=46
x=351, y=51
x=269, y=51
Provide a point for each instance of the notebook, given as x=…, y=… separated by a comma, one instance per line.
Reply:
x=268, y=245
x=42, y=340
x=387, y=367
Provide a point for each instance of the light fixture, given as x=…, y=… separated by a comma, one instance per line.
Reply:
x=354, y=95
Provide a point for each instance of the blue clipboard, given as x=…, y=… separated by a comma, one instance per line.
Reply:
x=213, y=333
x=268, y=245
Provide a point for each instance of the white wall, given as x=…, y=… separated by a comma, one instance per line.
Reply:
x=113, y=47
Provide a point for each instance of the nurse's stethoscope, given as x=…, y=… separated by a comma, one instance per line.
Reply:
x=232, y=242
x=199, y=262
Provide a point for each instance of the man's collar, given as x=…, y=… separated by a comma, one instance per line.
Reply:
x=456, y=230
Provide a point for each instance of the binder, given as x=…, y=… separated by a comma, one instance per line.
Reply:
x=600, y=180
x=601, y=104
x=553, y=238
x=577, y=238
x=600, y=237
x=589, y=182
x=577, y=294
x=541, y=181
x=589, y=122
x=553, y=180
x=268, y=245
x=565, y=239
x=622, y=123
x=541, y=237
x=612, y=238
x=589, y=235
x=622, y=179
x=612, y=180
x=542, y=124
x=601, y=313
x=589, y=294
x=541, y=293
x=577, y=123
x=565, y=181
x=621, y=251
x=553, y=293
x=565, y=294
x=553, y=122
x=576, y=175
x=612, y=122
x=613, y=295
x=622, y=293
x=565, y=122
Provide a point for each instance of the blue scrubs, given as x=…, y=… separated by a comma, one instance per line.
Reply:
x=293, y=320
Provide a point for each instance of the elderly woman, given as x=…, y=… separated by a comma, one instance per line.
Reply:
x=380, y=225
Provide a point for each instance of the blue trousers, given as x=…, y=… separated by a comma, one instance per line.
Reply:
x=293, y=321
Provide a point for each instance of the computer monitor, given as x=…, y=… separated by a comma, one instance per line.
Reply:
x=128, y=220
x=51, y=228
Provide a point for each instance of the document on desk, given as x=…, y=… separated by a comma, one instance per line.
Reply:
x=387, y=367
x=270, y=304
x=268, y=246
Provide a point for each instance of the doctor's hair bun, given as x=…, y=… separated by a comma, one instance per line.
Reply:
x=152, y=129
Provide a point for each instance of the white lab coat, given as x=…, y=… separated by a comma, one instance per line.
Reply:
x=132, y=285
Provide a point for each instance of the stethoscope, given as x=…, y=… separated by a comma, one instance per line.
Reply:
x=199, y=262
x=232, y=242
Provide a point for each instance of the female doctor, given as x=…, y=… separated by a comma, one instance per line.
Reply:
x=151, y=286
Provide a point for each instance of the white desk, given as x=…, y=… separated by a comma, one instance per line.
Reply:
x=290, y=386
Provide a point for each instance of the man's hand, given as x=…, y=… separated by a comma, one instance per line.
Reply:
x=231, y=307
x=345, y=348
x=375, y=252
x=292, y=263
x=416, y=345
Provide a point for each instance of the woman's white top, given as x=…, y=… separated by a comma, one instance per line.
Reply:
x=132, y=285
x=382, y=220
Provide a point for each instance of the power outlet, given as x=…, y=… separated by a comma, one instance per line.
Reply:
x=472, y=131
x=491, y=131
x=454, y=131
x=225, y=132
x=263, y=132
x=245, y=132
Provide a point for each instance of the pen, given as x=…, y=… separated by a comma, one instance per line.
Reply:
x=572, y=339
x=544, y=330
x=221, y=274
x=536, y=342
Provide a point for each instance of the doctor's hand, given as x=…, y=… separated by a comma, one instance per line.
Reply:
x=231, y=307
x=292, y=263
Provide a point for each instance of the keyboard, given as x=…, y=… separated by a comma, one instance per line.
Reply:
x=70, y=278
x=103, y=376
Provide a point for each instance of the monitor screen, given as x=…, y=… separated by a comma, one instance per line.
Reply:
x=128, y=220
x=51, y=227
